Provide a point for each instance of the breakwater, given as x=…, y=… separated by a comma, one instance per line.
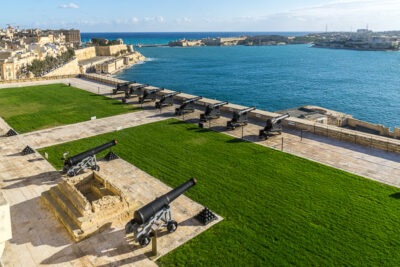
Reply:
x=348, y=135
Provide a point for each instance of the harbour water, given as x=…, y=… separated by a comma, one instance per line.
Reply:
x=365, y=84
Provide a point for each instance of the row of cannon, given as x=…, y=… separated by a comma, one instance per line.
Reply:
x=213, y=111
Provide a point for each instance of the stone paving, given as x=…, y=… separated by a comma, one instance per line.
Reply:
x=40, y=239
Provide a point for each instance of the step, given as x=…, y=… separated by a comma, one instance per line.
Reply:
x=77, y=204
x=66, y=205
x=71, y=226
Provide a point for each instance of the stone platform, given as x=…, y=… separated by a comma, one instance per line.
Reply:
x=86, y=203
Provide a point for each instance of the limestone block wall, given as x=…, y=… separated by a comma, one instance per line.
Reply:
x=71, y=67
x=110, y=50
x=41, y=78
x=85, y=53
x=376, y=127
x=365, y=139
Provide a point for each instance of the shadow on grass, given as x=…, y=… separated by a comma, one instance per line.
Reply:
x=236, y=140
x=395, y=195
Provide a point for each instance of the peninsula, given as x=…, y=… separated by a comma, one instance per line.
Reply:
x=362, y=39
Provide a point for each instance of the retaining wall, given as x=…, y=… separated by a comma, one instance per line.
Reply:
x=56, y=77
x=70, y=67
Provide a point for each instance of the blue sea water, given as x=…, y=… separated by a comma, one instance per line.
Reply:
x=365, y=84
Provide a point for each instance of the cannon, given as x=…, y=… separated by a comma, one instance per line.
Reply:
x=156, y=212
x=149, y=94
x=137, y=90
x=122, y=87
x=187, y=106
x=212, y=112
x=73, y=165
x=273, y=125
x=166, y=100
x=240, y=118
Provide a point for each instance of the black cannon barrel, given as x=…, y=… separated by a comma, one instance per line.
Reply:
x=219, y=104
x=245, y=110
x=143, y=214
x=171, y=94
x=141, y=86
x=78, y=158
x=281, y=117
x=149, y=91
x=192, y=99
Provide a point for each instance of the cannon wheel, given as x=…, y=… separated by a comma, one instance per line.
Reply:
x=114, y=92
x=172, y=226
x=144, y=241
x=124, y=100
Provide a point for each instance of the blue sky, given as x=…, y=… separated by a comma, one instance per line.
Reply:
x=204, y=15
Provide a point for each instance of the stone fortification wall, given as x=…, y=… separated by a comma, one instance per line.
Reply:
x=110, y=50
x=85, y=53
x=375, y=127
x=365, y=139
x=71, y=67
x=41, y=79
x=94, y=51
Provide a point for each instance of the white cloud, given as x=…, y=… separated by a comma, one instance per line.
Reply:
x=148, y=19
x=134, y=20
x=160, y=19
x=70, y=5
x=339, y=15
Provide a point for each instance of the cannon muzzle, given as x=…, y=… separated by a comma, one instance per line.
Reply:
x=143, y=214
x=78, y=158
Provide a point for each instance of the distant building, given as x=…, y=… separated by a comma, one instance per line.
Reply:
x=363, y=31
x=71, y=36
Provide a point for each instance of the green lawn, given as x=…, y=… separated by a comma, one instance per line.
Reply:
x=37, y=107
x=279, y=209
